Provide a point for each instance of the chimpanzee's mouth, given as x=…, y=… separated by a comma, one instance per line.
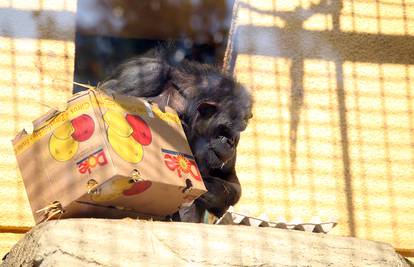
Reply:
x=220, y=163
x=213, y=159
x=217, y=156
x=219, y=151
x=223, y=148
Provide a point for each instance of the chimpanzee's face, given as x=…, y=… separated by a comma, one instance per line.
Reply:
x=215, y=111
x=215, y=132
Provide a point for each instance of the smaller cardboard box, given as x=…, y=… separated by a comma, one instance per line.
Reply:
x=107, y=156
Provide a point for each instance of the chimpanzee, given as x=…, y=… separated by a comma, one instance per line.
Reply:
x=212, y=106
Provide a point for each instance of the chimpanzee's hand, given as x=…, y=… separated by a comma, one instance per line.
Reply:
x=220, y=196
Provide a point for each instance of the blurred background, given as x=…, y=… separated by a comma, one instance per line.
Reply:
x=108, y=32
x=332, y=137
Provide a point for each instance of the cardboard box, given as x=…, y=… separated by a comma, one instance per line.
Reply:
x=107, y=156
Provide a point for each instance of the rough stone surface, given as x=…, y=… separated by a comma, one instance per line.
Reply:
x=94, y=242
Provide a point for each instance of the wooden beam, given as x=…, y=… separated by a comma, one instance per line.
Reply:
x=324, y=45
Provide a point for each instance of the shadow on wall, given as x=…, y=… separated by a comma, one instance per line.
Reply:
x=345, y=49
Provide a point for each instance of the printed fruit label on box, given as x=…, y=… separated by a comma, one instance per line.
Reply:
x=64, y=141
x=127, y=134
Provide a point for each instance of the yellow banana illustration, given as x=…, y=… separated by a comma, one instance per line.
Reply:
x=64, y=131
x=117, y=122
x=126, y=147
x=122, y=184
x=105, y=194
x=111, y=190
x=62, y=149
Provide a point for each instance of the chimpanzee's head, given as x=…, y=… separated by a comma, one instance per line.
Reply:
x=217, y=110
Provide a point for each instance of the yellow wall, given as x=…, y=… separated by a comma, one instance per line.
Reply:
x=36, y=73
x=332, y=137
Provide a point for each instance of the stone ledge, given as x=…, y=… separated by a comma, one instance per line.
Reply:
x=102, y=242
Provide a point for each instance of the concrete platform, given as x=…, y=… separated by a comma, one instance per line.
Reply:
x=101, y=242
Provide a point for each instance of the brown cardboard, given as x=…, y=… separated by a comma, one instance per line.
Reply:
x=97, y=158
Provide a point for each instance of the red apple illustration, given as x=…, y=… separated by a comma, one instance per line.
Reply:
x=141, y=132
x=137, y=188
x=84, y=127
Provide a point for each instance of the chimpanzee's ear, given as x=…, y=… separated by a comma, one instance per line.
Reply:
x=207, y=109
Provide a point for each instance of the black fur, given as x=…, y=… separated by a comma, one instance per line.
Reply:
x=213, y=107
